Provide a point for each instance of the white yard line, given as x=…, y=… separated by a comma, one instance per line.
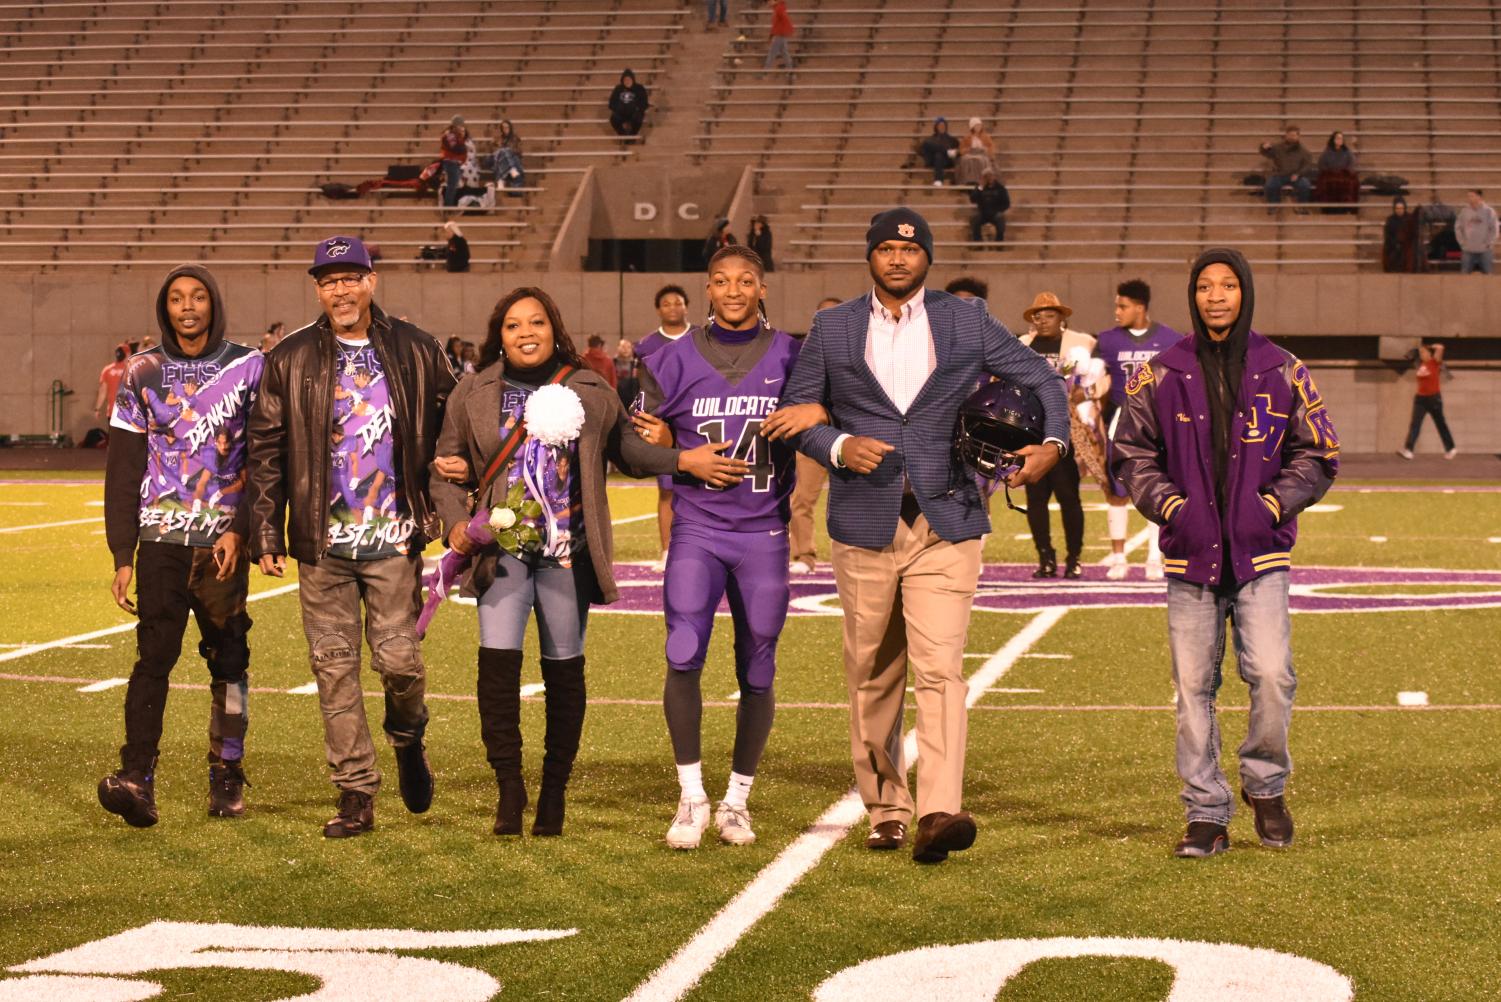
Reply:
x=109, y=683
x=698, y=956
x=633, y=518
x=306, y=689
x=51, y=525
x=112, y=630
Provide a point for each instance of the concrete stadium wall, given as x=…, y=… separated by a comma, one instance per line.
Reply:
x=64, y=325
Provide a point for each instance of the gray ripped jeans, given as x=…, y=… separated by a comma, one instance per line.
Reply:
x=331, y=593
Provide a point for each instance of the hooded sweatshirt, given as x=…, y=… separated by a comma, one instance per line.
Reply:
x=629, y=100
x=175, y=471
x=1223, y=362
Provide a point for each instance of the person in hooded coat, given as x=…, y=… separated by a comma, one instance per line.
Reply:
x=176, y=520
x=1223, y=440
x=628, y=104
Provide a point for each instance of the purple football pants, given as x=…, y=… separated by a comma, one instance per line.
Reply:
x=750, y=568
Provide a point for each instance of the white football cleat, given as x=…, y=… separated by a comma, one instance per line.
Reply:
x=660, y=565
x=1116, y=564
x=800, y=567
x=1154, y=570
x=689, y=823
x=734, y=824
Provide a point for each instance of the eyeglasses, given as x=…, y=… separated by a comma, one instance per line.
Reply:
x=340, y=282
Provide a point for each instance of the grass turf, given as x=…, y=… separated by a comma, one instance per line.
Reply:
x=1391, y=881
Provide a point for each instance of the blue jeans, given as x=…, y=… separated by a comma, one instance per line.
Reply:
x=778, y=50
x=722, y=6
x=560, y=596
x=1302, y=190
x=452, y=172
x=1196, y=615
x=1480, y=261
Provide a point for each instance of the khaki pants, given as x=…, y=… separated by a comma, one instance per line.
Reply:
x=909, y=602
x=331, y=592
x=811, y=476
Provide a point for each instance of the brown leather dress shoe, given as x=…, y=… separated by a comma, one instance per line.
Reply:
x=356, y=816
x=1274, y=823
x=887, y=835
x=939, y=834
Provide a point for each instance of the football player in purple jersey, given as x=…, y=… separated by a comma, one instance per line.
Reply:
x=672, y=309
x=1133, y=342
x=718, y=386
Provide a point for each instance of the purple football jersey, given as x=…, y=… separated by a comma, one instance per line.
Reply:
x=702, y=405
x=656, y=341
x=1124, y=353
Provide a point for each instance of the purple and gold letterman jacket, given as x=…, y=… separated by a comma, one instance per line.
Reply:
x=1284, y=454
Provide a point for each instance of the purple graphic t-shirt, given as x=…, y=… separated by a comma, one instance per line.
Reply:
x=368, y=518
x=193, y=413
x=1125, y=352
x=550, y=478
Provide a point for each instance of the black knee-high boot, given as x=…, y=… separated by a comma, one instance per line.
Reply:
x=566, y=703
x=499, y=692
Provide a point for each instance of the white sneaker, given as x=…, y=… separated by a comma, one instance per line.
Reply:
x=660, y=565
x=1451, y=453
x=689, y=823
x=734, y=824
x=1405, y=453
x=1154, y=570
x=800, y=567
x=938, y=184
x=1116, y=567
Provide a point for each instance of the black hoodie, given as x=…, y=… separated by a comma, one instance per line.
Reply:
x=160, y=428
x=1223, y=362
x=629, y=101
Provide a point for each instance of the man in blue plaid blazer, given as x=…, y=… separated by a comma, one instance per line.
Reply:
x=892, y=368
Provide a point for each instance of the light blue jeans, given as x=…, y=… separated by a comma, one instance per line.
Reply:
x=560, y=596
x=1262, y=628
x=1481, y=261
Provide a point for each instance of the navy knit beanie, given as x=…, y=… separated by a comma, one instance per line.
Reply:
x=900, y=223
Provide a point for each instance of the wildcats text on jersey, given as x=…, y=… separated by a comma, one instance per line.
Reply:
x=734, y=406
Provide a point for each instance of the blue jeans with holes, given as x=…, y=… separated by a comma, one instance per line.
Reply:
x=1262, y=629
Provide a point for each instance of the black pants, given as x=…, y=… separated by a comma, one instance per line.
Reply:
x=171, y=580
x=1429, y=405
x=978, y=219
x=1063, y=481
x=627, y=123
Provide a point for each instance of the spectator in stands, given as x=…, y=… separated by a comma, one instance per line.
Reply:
x=273, y=336
x=1337, y=178
x=596, y=359
x=977, y=154
x=456, y=253
x=991, y=201
x=506, y=159
x=721, y=7
x=719, y=236
x=968, y=287
x=939, y=150
x=468, y=358
x=759, y=239
x=453, y=151
x=1476, y=230
x=1402, y=241
x=807, y=486
x=627, y=383
x=628, y=104
x=1429, y=400
x=1291, y=163
x=782, y=31
x=109, y=383
x=454, y=350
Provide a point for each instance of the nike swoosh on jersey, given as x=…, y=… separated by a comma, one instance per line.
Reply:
x=776, y=532
x=776, y=380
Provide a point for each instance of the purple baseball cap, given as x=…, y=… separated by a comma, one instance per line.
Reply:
x=341, y=250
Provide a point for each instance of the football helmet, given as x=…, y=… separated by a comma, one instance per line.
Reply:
x=998, y=419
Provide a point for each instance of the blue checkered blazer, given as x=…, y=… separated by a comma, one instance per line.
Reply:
x=968, y=342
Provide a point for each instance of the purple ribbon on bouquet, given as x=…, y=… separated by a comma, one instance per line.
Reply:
x=451, y=567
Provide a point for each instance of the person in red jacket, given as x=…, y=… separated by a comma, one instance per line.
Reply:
x=782, y=31
x=596, y=359
x=453, y=150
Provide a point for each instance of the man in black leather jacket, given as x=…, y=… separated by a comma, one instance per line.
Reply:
x=340, y=441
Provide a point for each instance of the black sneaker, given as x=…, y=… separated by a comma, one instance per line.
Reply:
x=226, y=790
x=1274, y=823
x=356, y=816
x=416, y=776
x=1203, y=838
x=130, y=794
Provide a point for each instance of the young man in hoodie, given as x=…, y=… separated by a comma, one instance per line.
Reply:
x=1223, y=440
x=628, y=104
x=176, y=521
x=342, y=437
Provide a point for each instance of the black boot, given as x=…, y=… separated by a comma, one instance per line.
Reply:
x=566, y=703
x=499, y=692
x=1071, y=568
x=1047, y=563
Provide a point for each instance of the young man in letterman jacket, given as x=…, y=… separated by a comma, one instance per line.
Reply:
x=1223, y=440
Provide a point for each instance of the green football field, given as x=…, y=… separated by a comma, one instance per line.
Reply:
x=1392, y=890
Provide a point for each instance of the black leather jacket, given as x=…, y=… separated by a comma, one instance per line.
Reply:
x=291, y=431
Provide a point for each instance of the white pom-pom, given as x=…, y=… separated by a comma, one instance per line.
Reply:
x=502, y=519
x=1077, y=355
x=554, y=415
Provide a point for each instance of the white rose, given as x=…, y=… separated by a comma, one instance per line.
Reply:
x=502, y=519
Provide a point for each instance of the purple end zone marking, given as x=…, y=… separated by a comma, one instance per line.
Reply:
x=1011, y=588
